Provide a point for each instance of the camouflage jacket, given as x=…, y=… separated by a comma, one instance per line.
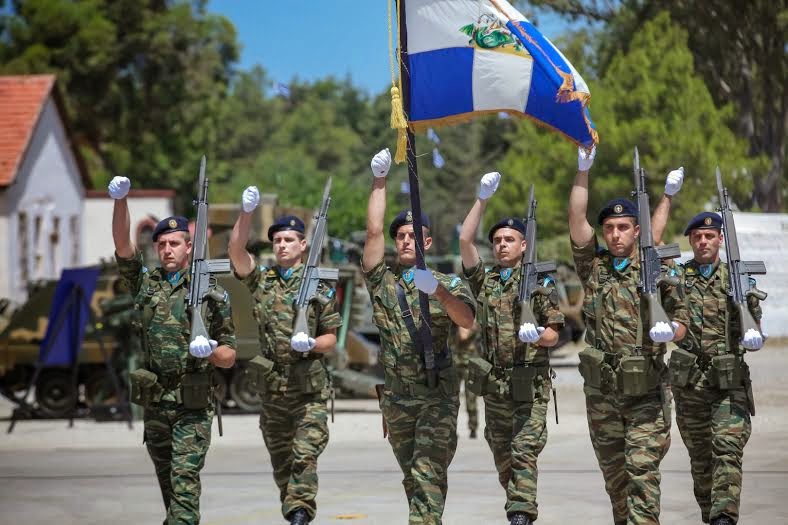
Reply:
x=165, y=321
x=614, y=294
x=709, y=304
x=501, y=320
x=463, y=349
x=397, y=351
x=275, y=291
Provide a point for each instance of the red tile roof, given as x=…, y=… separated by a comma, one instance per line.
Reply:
x=22, y=100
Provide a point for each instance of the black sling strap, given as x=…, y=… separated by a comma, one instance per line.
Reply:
x=410, y=324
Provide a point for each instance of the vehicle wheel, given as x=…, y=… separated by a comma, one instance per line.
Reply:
x=243, y=394
x=221, y=385
x=55, y=393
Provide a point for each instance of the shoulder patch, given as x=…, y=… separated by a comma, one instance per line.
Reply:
x=144, y=269
x=263, y=269
x=690, y=270
x=752, y=281
x=330, y=293
x=455, y=282
x=548, y=280
x=673, y=272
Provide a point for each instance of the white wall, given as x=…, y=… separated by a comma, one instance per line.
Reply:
x=97, y=225
x=48, y=190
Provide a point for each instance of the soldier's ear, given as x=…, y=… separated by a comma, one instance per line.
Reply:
x=427, y=242
x=637, y=230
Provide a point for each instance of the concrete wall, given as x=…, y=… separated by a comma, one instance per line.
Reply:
x=97, y=230
x=45, y=200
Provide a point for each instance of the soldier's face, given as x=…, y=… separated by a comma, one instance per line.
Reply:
x=405, y=242
x=621, y=234
x=706, y=245
x=289, y=247
x=174, y=250
x=508, y=246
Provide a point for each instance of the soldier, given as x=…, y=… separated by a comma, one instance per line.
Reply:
x=174, y=383
x=293, y=379
x=422, y=421
x=713, y=418
x=627, y=404
x=515, y=426
x=464, y=347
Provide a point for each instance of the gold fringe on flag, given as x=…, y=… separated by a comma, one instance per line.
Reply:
x=398, y=120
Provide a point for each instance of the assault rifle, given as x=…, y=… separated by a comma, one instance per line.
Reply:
x=313, y=274
x=531, y=271
x=203, y=272
x=739, y=272
x=651, y=256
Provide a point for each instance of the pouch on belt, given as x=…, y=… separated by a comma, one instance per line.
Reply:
x=522, y=383
x=478, y=375
x=145, y=389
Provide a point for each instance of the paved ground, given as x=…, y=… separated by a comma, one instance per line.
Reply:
x=99, y=473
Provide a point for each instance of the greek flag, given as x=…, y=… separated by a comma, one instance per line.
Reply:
x=471, y=57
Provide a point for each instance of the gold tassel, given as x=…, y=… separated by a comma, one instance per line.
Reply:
x=399, y=123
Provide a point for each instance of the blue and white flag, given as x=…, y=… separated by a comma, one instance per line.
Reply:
x=283, y=90
x=437, y=159
x=433, y=136
x=471, y=57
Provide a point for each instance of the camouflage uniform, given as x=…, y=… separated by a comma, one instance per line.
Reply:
x=293, y=417
x=422, y=422
x=177, y=438
x=516, y=431
x=461, y=351
x=714, y=423
x=630, y=433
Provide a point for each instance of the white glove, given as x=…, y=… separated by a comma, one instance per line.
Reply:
x=119, y=187
x=752, y=340
x=489, y=184
x=425, y=281
x=674, y=181
x=662, y=332
x=381, y=163
x=529, y=333
x=250, y=198
x=202, y=347
x=585, y=158
x=301, y=342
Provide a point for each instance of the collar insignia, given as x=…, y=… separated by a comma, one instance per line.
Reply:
x=706, y=269
x=172, y=277
x=505, y=274
x=620, y=263
x=286, y=274
x=407, y=276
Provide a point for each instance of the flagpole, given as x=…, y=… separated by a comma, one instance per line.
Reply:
x=415, y=201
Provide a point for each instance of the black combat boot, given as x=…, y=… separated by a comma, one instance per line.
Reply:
x=299, y=517
x=473, y=433
x=518, y=518
x=722, y=520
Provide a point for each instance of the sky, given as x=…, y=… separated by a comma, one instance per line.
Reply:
x=312, y=39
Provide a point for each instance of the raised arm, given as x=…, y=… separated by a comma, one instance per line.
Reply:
x=121, y=220
x=374, y=247
x=659, y=217
x=580, y=231
x=468, y=251
x=241, y=259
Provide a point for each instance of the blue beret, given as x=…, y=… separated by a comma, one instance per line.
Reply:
x=175, y=223
x=618, y=208
x=507, y=222
x=406, y=217
x=706, y=220
x=288, y=222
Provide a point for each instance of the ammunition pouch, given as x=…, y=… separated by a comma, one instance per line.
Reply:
x=196, y=390
x=522, y=383
x=145, y=389
x=636, y=375
x=260, y=373
x=592, y=365
x=478, y=375
x=683, y=368
x=726, y=371
x=307, y=377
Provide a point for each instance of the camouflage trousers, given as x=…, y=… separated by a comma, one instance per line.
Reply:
x=470, y=398
x=423, y=436
x=177, y=441
x=295, y=431
x=517, y=433
x=715, y=426
x=630, y=436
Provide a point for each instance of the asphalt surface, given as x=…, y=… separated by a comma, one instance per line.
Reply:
x=100, y=473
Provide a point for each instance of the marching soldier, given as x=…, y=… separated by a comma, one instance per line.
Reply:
x=627, y=404
x=713, y=414
x=515, y=415
x=290, y=372
x=464, y=347
x=174, y=382
x=422, y=421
